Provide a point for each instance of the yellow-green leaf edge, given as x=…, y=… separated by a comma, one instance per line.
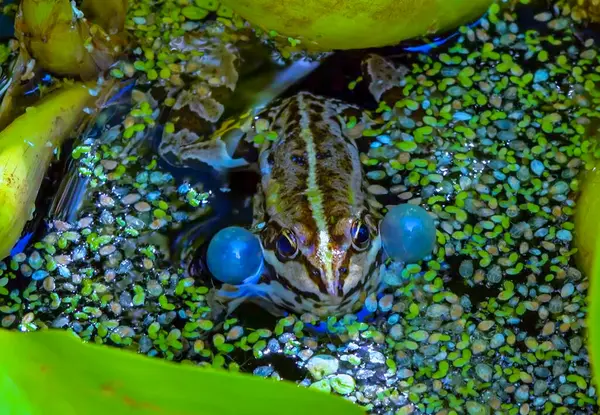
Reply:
x=587, y=230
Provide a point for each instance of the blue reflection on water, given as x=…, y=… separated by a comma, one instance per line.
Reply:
x=21, y=244
x=439, y=41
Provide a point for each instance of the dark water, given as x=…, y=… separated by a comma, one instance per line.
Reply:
x=6, y=23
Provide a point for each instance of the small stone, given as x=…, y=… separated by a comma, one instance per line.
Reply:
x=437, y=311
x=537, y=167
x=567, y=290
x=142, y=207
x=576, y=343
x=8, y=320
x=497, y=341
x=541, y=75
x=462, y=116
x=107, y=201
x=371, y=303
x=107, y=250
x=540, y=387
x=376, y=357
x=478, y=346
x=378, y=190
x=522, y=393
x=548, y=328
x=419, y=335
x=109, y=164
x=543, y=17
x=567, y=389
x=39, y=275
x=466, y=269
x=484, y=371
x=235, y=333
x=321, y=366
x=485, y=325
x=343, y=384
x=564, y=235
x=49, y=284
x=405, y=373
x=322, y=385
x=35, y=260
x=263, y=371
x=386, y=302
x=131, y=198
x=494, y=275
x=396, y=332
x=474, y=408
x=456, y=311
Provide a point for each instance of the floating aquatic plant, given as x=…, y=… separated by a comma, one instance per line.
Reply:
x=355, y=24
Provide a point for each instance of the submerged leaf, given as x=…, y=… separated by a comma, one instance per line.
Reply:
x=63, y=41
x=26, y=148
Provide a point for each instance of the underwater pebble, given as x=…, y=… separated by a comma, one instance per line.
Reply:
x=321, y=366
x=396, y=332
x=343, y=384
x=131, y=198
x=322, y=385
x=537, y=167
x=474, y=408
x=484, y=371
x=564, y=235
x=39, y=275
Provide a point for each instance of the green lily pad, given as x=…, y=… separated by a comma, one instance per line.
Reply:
x=53, y=372
x=357, y=24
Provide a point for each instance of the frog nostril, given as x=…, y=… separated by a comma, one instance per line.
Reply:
x=315, y=272
x=343, y=270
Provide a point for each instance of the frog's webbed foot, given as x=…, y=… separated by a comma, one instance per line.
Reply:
x=385, y=79
x=224, y=301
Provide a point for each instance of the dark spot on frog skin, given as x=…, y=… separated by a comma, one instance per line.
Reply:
x=299, y=160
x=321, y=155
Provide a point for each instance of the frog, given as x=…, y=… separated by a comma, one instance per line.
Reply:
x=318, y=230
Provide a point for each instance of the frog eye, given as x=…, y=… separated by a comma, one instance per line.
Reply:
x=361, y=236
x=286, y=245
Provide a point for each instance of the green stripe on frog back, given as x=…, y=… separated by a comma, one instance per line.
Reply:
x=314, y=194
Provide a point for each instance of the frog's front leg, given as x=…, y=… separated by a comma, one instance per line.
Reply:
x=225, y=300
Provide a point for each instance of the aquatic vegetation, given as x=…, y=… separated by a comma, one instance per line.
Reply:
x=355, y=24
x=582, y=10
x=108, y=14
x=593, y=320
x=489, y=134
x=586, y=239
x=588, y=255
x=62, y=41
x=408, y=233
x=234, y=254
x=27, y=146
x=54, y=372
